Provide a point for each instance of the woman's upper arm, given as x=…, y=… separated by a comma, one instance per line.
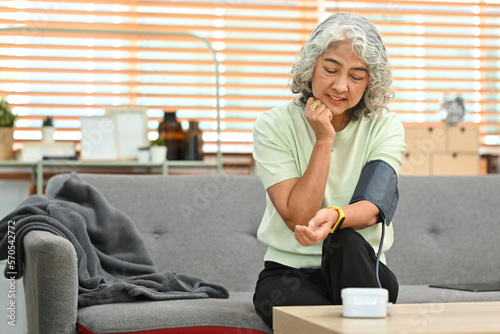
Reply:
x=279, y=194
x=389, y=145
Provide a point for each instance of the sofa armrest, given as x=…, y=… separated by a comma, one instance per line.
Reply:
x=50, y=283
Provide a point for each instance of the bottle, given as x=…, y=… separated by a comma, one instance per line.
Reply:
x=171, y=131
x=194, y=142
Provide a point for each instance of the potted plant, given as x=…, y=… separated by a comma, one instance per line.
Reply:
x=7, y=122
x=48, y=130
x=158, y=142
x=158, y=150
x=143, y=154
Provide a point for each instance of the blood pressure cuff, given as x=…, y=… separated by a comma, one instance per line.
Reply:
x=378, y=184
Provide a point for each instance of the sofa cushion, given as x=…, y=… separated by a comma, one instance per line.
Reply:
x=182, y=218
x=426, y=294
x=446, y=230
x=188, y=330
x=201, y=316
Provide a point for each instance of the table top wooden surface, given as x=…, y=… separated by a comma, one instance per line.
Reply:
x=449, y=318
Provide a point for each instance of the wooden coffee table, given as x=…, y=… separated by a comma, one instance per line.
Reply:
x=452, y=318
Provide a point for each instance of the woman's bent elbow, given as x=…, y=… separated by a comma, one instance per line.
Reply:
x=291, y=223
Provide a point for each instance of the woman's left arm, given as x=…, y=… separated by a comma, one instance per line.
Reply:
x=358, y=215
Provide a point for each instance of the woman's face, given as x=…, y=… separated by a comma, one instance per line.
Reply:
x=340, y=78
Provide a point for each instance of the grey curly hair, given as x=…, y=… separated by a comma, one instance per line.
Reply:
x=366, y=43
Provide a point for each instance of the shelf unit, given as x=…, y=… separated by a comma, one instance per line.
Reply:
x=39, y=168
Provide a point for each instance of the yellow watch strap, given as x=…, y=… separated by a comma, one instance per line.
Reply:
x=340, y=220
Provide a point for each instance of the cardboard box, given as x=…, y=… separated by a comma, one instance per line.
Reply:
x=410, y=138
x=431, y=139
x=425, y=139
x=463, y=139
x=416, y=163
x=459, y=163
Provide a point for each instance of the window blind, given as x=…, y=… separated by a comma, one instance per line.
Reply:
x=73, y=58
x=70, y=59
x=439, y=49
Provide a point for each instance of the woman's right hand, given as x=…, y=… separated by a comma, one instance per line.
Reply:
x=317, y=229
x=320, y=120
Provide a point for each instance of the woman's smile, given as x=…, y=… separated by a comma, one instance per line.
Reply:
x=336, y=100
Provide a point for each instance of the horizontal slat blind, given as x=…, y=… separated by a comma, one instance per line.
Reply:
x=440, y=48
x=73, y=58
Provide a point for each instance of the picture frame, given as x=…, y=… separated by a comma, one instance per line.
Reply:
x=98, y=138
x=131, y=130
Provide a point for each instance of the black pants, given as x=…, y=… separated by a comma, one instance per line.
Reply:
x=348, y=260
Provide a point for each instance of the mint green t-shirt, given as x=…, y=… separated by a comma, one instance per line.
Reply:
x=283, y=143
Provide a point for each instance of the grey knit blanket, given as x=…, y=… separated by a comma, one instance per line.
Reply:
x=114, y=264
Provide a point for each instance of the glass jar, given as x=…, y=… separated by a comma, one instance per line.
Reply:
x=170, y=129
x=193, y=144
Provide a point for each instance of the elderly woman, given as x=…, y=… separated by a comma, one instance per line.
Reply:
x=329, y=162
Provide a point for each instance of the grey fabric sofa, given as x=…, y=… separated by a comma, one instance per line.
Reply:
x=447, y=230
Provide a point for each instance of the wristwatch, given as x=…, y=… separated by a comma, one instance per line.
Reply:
x=340, y=220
